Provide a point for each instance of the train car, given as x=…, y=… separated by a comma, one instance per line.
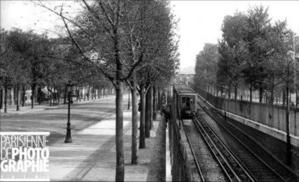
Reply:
x=186, y=99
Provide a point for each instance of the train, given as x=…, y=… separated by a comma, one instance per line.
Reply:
x=185, y=101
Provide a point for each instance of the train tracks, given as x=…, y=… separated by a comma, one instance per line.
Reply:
x=198, y=168
x=233, y=169
x=257, y=164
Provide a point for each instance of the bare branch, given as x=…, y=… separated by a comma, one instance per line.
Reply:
x=66, y=18
x=105, y=14
x=134, y=67
x=96, y=16
x=82, y=52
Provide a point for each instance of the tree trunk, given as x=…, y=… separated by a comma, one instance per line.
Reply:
x=88, y=93
x=58, y=97
x=65, y=94
x=134, y=157
x=236, y=92
x=261, y=94
x=142, y=119
x=283, y=98
x=250, y=93
x=77, y=94
x=39, y=99
x=154, y=104
x=120, y=162
x=159, y=99
x=119, y=134
x=272, y=90
x=151, y=107
x=272, y=95
x=129, y=101
x=33, y=85
x=50, y=96
x=23, y=95
x=17, y=98
x=229, y=91
x=1, y=98
x=147, y=114
x=5, y=96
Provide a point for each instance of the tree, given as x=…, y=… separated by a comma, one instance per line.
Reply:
x=278, y=60
x=233, y=51
x=15, y=71
x=33, y=50
x=252, y=51
x=259, y=24
x=206, y=67
x=151, y=41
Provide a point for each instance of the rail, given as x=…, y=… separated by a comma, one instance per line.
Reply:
x=279, y=172
x=232, y=168
x=195, y=160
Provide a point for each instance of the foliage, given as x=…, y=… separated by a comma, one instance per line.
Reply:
x=253, y=51
x=206, y=66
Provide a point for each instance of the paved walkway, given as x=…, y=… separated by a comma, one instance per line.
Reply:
x=91, y=156
x=11, y=109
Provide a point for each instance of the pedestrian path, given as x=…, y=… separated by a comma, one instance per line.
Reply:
x=91, y=156
x=11, y=109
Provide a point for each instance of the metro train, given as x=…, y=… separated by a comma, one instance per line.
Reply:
x=185, y=100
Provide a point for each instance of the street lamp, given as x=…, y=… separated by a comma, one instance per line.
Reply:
x=68, y=137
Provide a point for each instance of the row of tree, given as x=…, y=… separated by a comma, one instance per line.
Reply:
x=130, y=43
x=32, y=61
x=254, y=54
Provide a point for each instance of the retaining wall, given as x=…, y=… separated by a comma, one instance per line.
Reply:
x=270, y=119
x=183, y=167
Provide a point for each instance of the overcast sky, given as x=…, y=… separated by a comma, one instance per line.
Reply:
x=199, y=21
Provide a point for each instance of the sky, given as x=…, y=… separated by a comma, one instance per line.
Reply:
x=199, y=22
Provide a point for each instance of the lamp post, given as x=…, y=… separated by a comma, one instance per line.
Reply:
x=68, y=137
x=129, y=99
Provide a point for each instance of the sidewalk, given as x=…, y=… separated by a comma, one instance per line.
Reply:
x=91, y=156
x=11, y=109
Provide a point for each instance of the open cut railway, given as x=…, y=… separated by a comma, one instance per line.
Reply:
x=257, y=164
x=231, y=166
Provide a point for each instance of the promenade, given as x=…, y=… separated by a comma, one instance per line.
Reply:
x=91, y=156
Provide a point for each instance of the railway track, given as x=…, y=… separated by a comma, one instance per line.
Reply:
x=231, y=166
x=261, y=164
x=195, y=159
